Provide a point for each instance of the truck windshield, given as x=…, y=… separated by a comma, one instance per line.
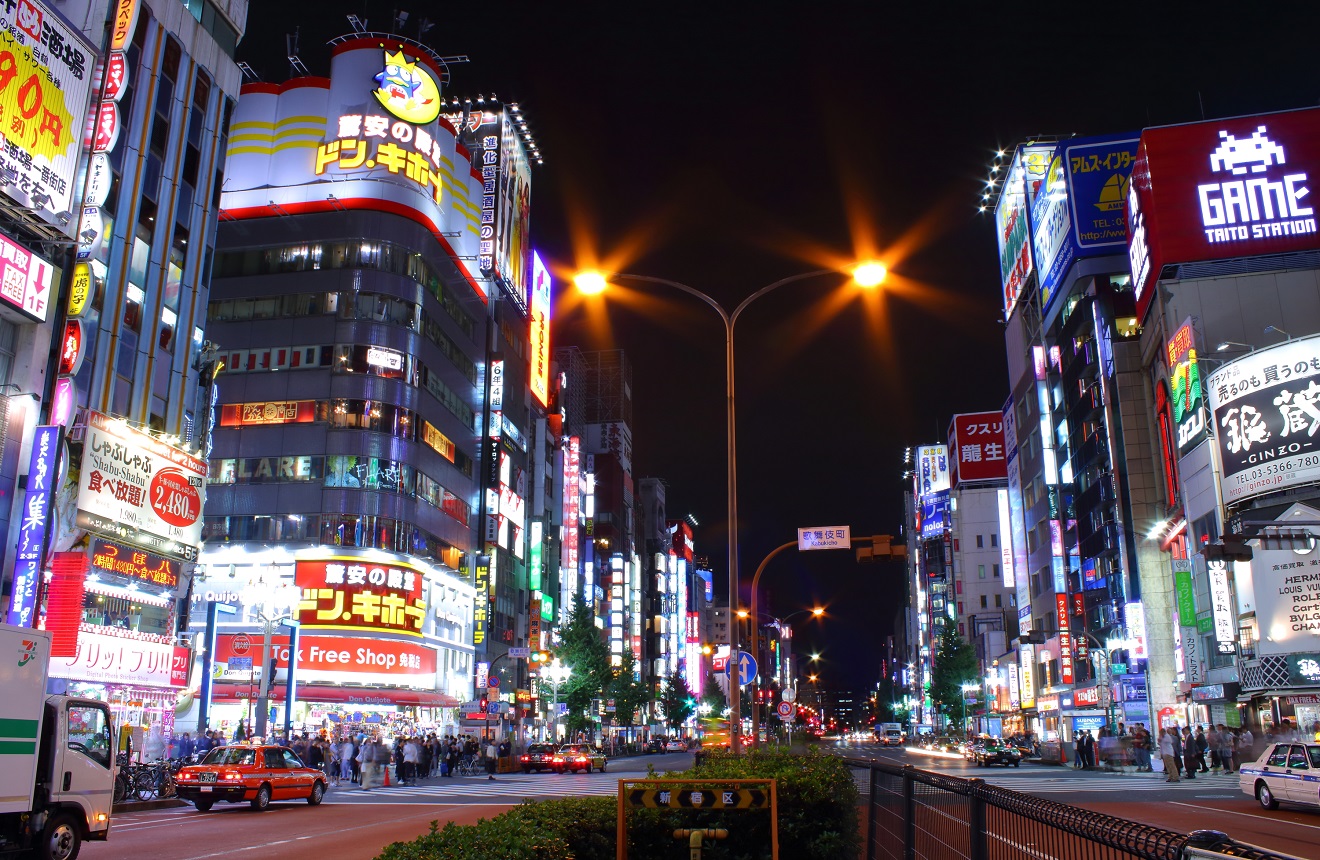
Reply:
x=231, y=755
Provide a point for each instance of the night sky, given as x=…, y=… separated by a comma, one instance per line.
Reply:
x=729, y=145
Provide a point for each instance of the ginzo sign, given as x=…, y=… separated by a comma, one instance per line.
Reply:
x=1222, y=189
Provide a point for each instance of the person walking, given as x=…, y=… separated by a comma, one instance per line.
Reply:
x=367, y=759
x=1225, y=740
x=346, y=754
x=1167, y=756
x=1189, y=753
x=1177, y=748
x=1202, y=747
x=412, y=758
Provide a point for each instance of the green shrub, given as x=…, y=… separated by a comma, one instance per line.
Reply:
x=816, y=795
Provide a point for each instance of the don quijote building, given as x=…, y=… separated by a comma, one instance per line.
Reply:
x=373, y=319
x=1225, y=257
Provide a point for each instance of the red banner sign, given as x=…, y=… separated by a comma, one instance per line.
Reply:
x=272, y=412
x=333, y=654
x=1061, y=610
x=1221, y=190
x=1086, y=697
x=976, y=446
x=352, y=594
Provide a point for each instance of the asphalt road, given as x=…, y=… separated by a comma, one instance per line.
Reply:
x=1210, y=802
x=333, y=832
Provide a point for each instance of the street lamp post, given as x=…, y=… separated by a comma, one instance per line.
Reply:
x=869, y=274
x=556, y=673
x=966, y=688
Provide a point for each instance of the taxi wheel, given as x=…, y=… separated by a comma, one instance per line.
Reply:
x=1265, y=796
x=203, y=805
x=60, y=840
x=262, y=800
x=602, y=767
x=318, y=792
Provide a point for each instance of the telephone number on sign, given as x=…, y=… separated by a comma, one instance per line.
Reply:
x=1280, y=468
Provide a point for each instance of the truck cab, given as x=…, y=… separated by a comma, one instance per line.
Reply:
x=57, y=766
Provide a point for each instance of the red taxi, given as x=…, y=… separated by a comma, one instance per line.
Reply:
x=256, y=773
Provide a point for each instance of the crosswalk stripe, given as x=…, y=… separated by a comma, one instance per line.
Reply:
x=485, y=788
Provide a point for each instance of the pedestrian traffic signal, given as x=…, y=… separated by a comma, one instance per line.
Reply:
x=485, y=705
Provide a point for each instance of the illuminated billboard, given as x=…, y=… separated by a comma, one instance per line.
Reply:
x=25, y=278
x=492, y=137
x=46, y=71
x=932, y=469
x=539, y=308
x=355, y=594
x=137, y=490
x=367, y=137
x=1220, y=190
x=976, y=442
x=1025, y=173
x=1264, y=409
x=1185, y=388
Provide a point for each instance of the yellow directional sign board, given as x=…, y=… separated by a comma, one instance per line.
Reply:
x=698, y=798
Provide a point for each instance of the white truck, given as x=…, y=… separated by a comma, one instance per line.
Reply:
x=57, y=765
x=889, y=734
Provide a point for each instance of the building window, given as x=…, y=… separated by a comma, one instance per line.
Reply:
x=983, y=601
x=980, y=541
x=980, y=571
x=996, y=570
x=999, y=601
x=994, y=540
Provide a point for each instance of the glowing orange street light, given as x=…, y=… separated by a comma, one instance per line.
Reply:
x=870, y=274
x=592, y=282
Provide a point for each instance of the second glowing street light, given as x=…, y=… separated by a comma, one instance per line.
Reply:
x=865, y=275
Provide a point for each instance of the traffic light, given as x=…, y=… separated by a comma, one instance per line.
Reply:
x=537, y=657
x=485, y=705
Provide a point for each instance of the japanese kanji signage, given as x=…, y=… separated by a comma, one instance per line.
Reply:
x=494, y=139
x=45, y=88
x=1135, y=613
x=135, y=564
x=1185, y=388
x=140, y=491
x=1221, y=600
x=267, y=412
x=1222, y=189
x=1287, y=585
x=25, y=278
x=114, y=660
x=32, y=529
x=481, y=600
x=352, y=593
x=368, y=137
x=976, y=443
x=824, y=537
x=1025, y=174
x=1266, y=417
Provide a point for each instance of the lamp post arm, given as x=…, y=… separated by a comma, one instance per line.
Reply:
x=755, y=635
x=800, y=276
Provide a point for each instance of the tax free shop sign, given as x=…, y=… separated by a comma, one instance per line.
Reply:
x=334, y=659
x=1220, y=190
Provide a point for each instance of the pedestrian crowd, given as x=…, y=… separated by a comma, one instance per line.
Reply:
x=1182, y=752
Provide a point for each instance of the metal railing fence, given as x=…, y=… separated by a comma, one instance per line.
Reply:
x=915, y=814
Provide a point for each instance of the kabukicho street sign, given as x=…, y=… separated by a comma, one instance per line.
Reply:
x=824, y=537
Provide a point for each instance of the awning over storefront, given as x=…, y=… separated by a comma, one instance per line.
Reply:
x=331, y=694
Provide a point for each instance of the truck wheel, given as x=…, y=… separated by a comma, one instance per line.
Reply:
x=318, y=792
x=203, y=805
x=60, y=840
x=262, y=800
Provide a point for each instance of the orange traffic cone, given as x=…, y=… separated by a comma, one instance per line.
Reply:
x=386, y=784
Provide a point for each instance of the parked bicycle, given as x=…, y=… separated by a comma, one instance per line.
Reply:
x=469, y=765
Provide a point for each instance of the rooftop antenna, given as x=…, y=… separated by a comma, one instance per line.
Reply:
x=248, y=73
x=296, y=67
x=400, y=20
x=359, y=25
x=424, y=26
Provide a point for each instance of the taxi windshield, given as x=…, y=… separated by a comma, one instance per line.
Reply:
x=231, y=755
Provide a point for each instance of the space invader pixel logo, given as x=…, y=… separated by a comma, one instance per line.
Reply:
x=1258, y=151
x=27, y=652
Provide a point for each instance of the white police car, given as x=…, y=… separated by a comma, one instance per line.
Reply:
x=1287, y=772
